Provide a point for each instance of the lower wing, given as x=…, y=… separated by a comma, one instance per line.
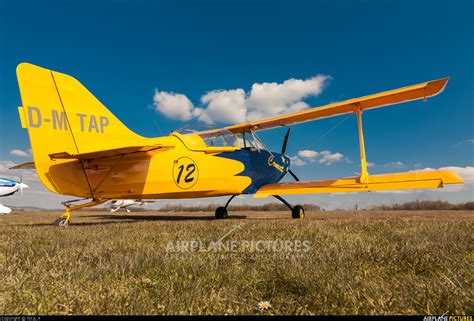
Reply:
x=381, y=182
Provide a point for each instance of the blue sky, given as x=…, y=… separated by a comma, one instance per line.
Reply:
x=124, y=50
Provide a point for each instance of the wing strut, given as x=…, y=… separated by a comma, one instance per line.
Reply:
x=364, y=174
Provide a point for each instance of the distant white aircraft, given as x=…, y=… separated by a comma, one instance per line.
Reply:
x=9, y=187
x=115, y=205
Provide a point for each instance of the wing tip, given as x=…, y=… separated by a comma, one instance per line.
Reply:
x=451, y=177
x=436, y=87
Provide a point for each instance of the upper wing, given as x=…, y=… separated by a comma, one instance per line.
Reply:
x=423, y=90
x=397, y=181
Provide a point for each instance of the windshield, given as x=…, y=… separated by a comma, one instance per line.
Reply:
x=195, y=128
x=220, y=138
x=251, y=141
x=211, y=136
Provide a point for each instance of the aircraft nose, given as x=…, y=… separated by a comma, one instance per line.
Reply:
x=282, y=160
x=23, y=185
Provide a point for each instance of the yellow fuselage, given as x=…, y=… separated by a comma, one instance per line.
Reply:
x=181, y=171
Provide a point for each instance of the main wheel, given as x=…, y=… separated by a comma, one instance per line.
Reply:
x=297, y=212
x=221, y=212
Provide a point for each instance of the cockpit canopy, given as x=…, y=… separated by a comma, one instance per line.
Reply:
x=212, y=137
x=207, y=137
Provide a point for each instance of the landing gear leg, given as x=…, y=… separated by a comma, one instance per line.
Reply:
x=221, y=212
x=297, y=211
x=64, y=220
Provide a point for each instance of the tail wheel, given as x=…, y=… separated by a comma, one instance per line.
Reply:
x=221, y=212
x=62, y=222
x=297, y=212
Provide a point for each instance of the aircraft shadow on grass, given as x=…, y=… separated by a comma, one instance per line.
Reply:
x=161, y=217
x=124, y=219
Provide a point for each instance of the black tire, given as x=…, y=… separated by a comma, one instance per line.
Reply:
x=221, y=212
x=297, y=212
x=60, y=222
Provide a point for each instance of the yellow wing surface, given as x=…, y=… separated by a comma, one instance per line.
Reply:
x=397, y=181
x=386, y=98
x=364, y=182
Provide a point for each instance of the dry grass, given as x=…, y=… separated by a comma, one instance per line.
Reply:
x=358, y=263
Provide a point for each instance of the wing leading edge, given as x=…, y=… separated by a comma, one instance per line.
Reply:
x=396, y=181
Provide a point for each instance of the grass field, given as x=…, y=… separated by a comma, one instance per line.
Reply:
x=356, y=263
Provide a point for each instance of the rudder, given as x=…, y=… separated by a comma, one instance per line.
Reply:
x=63, y=116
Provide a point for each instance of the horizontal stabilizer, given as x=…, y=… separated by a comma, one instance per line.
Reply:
x=27, y=165
x=381, y=182
x=109, y=152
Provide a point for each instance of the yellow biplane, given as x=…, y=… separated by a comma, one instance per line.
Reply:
x=81, y=149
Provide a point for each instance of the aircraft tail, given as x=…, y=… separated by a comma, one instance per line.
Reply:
x=62, y=116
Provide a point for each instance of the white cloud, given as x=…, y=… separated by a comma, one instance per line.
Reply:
x=16, y=174
x=19, y=153
x=418, y=165
x=237, y=106
x=466, y=141
x=5, y=165
x=329, y=158
x=172, y=105
x=270, y=99
x=325, y=157
x=307, y=153
x=370, y=164
x=227, y=106
x=295, y=160
x=394, y=165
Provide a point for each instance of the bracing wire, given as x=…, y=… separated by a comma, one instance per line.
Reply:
x=320, y=138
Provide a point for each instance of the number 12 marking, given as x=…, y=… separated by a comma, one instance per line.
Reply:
x=185, y=172
x=189, y=176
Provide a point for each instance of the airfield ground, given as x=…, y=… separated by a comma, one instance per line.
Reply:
x=356, y=263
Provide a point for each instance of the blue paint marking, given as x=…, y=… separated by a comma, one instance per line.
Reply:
x=257, y=167
x=5, y=182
